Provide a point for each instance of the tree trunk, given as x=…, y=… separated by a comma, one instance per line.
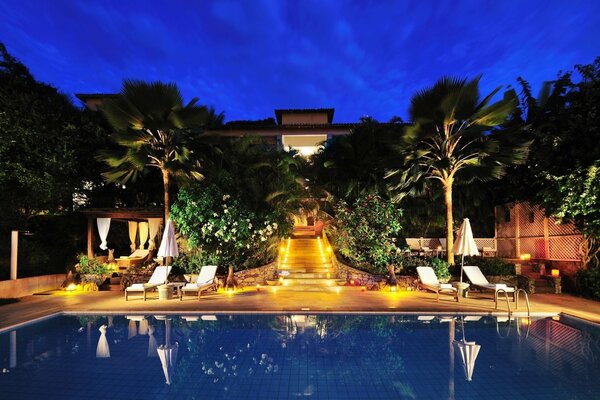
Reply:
x=392, y=275
x=165, y=175
x=231, y=282
x=449, y=221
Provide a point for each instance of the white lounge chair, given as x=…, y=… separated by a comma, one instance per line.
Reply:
x=205, y=281
x=159, y=277
x=479, y=281
x=429, y=281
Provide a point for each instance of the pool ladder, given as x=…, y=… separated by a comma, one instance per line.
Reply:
x=516, y=301
x=516, y=307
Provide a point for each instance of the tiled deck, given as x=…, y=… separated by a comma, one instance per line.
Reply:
x=349, y=300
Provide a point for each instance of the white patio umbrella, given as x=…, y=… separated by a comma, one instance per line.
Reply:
x=468, y=353
x=168, y=353
x=465, y=244
x=168, y=244
x=102, y=350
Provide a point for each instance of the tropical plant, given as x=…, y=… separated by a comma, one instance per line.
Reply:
x=348, y=166
x=366, y=232
x=456, y=137
x=440, y=268
x=152, y=127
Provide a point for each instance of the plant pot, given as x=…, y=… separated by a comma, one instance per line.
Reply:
x=90, y=278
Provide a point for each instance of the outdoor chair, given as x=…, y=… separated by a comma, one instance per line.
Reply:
x=479, y=281
x=137, y=257
x=206, y=280
x=429, y=281
x=159, y=277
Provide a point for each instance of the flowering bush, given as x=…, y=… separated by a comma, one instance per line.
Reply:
x=365, y=233
x=226, y=229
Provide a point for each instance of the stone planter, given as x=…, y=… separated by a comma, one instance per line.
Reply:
x=98, y=280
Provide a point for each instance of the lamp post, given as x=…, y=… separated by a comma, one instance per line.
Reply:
x=14, y=252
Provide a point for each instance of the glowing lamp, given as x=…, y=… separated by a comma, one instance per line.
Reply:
x=71, y=287
x=281, y=279
x=439, y=248
x=352, y=281
x=282, y=248
x=555, y=273
x=274, y=290
x=363, y=288
x=393, y=288
x=329, y=283
x=258, y=287
x=525, y=257
x=328, y=249
x=338, y=290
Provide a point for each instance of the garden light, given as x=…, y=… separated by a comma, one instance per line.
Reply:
x=555, y=273
x=393, y=288
x=363, y=288
x=258, y=287
x=525, y=257
x=71, y=287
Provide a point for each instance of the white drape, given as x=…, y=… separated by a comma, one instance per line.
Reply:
x=153, y=227
x=132, y=233
x=143, y=229
x=103, y=227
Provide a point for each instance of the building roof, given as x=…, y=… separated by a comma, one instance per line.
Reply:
x=124, y=213
x=281, y=111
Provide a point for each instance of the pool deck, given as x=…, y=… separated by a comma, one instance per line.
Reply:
x=250, y=301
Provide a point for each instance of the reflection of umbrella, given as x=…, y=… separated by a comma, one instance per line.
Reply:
x=152, y=345
x=168, y=358
x=168, y=244
x=168, y=353
x=468, y=352
x=465, y=244
x=102, y=350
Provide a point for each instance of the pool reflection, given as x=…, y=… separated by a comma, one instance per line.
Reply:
x=289, y=356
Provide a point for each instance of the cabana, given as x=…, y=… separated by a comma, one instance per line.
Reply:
x=144, y=226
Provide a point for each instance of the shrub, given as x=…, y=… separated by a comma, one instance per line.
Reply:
x=441, y=268
x=365, y=233
x=588, y=283
x=226, y=229
x=489, y=266
x=90, y=266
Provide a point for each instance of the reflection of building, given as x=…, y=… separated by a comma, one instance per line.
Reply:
x=300, y=129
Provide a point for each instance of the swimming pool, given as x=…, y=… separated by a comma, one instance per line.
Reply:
x=321, y=356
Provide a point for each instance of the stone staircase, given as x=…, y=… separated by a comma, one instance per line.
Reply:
x=305, y=263
x=542, y=284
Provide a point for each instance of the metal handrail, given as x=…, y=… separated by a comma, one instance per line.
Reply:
x=526, y=301
x=507, y=302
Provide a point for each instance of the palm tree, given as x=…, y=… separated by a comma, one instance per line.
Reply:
x=457, y=136
x=153, y=129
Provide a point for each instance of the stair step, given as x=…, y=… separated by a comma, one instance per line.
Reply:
x=308, y=288
x=310, y=275
x=308, y=281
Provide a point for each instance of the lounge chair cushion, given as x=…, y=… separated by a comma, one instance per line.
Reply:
x=446, y=286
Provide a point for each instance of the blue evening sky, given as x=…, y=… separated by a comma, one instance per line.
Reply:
x=248, y=57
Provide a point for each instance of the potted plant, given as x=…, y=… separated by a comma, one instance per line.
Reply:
x=92, y=271
x=441, y=269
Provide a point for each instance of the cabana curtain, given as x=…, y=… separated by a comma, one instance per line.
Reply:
x=133, y=227
x=143, y=229
x=153, y=227
x=103, y=227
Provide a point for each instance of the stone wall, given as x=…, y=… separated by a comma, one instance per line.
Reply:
x=370, y=281
x=27, y=286
x=256, y=276
x=517, y=281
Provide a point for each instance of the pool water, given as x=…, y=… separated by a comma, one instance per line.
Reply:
x=300, y=357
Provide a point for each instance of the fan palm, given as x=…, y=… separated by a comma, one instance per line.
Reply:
x=458, y=136
x=152, y=128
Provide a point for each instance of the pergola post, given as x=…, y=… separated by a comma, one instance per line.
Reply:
x=90, y=238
